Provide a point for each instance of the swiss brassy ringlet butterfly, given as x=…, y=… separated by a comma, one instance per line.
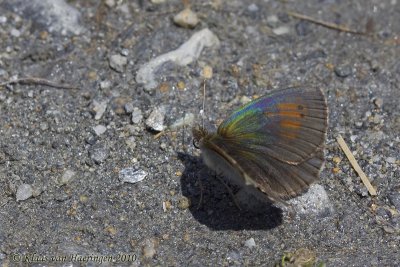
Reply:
x=272, y=145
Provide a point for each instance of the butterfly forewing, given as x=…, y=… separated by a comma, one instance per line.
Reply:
x=288, y=125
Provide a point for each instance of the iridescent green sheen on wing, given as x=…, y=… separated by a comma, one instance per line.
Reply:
x=250, y=118
x=242, y=121
x=289, y=125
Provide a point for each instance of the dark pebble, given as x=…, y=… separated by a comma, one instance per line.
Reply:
x=284, y=17
x=394, y=198
x=91, y=140
x=303, y=28
x=343, y=71
x=383, y=213
x=319, y=53
x=99, y=153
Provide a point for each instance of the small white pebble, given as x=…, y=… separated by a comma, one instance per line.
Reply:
x=137, y=115
x=391, y=160
x=67, y=177
x=105, y=84
x=244, y=100
x=110, y=3
x=149, y=248
x=272, y=19
x=125, y=52
x=131, y=175
x=99, y=129
x=186, y=18
x=118, y=62
x=99, y=108
x=3, y=19
x=250, y=243
x=24, y=192
x=252, y=8
x=155, y=121
x=15, y=33
x=281, y=30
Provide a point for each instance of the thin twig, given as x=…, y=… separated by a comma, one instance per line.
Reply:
x=333, y=26
x=39, y=81
x=158, y=135
x=355, y=165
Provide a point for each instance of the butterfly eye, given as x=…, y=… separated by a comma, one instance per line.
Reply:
x=196, y=143
x=199, y=133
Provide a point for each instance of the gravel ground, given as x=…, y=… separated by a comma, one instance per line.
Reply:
x=84, y=180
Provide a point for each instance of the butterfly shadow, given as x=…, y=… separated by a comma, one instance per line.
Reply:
x=213, y=205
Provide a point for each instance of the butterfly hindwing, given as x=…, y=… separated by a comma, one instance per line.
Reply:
x=276, y=179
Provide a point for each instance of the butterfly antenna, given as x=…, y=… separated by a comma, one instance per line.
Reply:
x=204, y=103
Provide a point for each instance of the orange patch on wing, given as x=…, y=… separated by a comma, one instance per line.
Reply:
x=292, y=114
x=290, y=124
x=293, y=110
x=292, y=128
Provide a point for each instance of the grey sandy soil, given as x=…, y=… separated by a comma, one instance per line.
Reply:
x=64, y=153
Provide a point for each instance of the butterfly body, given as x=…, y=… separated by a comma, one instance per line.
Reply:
x=273, y=144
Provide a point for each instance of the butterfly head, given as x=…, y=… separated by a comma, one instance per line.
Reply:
x=199, y=133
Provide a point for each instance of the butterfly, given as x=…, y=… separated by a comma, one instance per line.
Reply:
x=273, y=145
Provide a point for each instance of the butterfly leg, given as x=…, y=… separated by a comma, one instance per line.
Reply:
x=201, y=193
x=291, y=212
x=229, y=191
x=203, y=172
